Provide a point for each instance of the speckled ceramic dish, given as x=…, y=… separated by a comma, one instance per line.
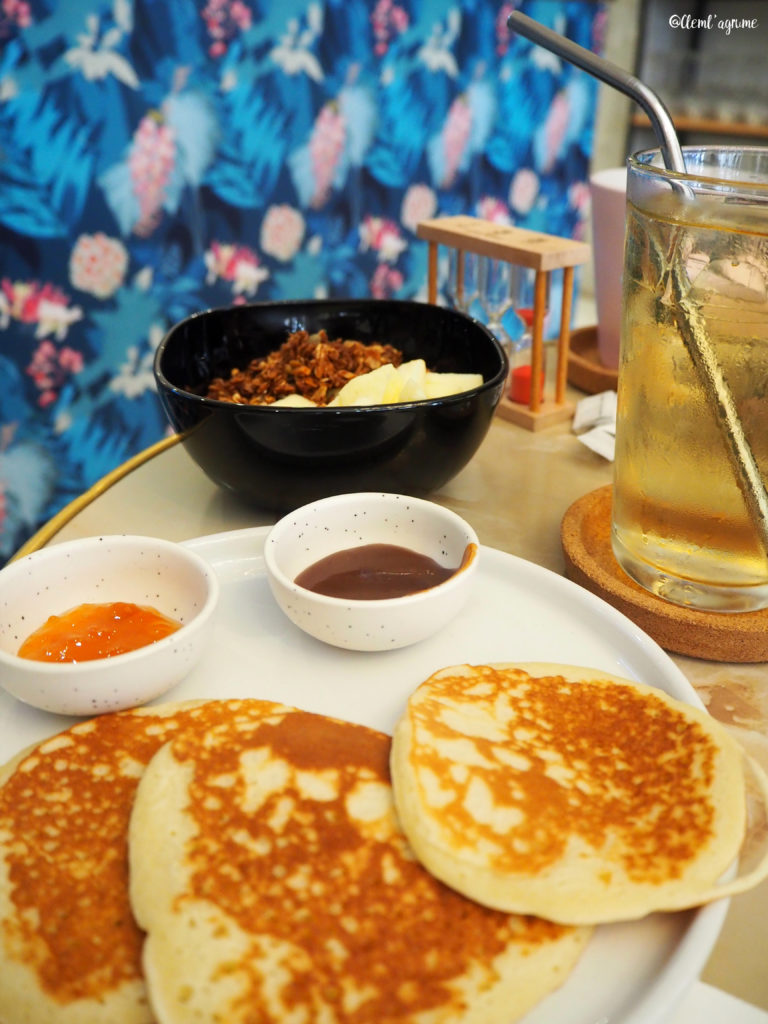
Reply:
x=282, y=458
x=333, y=524
x=100, y=570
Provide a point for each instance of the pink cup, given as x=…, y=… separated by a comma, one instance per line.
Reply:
x=609, y=198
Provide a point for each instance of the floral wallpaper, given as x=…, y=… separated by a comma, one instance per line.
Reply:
x=158, y=157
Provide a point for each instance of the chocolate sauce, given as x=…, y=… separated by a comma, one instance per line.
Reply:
x=374, y=571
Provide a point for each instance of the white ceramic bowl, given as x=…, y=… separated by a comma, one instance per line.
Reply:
x=141, y=570
x=347, y=520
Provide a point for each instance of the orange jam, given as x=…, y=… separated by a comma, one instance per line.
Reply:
x=92, y=631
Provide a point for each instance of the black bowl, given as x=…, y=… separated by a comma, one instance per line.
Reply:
x=282, y=457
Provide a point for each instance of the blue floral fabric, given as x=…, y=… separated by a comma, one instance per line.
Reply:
x=158, y=157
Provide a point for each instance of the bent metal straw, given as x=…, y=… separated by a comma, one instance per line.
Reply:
x=688, y=315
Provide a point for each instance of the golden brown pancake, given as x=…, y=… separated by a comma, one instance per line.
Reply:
x=275, y=885
x=70, y=950
x=568, y=793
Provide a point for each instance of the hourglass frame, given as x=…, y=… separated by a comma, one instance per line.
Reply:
x=541, y=253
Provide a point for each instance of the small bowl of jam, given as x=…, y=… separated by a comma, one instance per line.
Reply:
x=103, y=623
x=371, y=571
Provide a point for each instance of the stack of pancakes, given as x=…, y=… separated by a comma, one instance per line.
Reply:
x=243, y=862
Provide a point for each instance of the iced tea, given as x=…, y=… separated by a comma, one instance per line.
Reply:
x=681, y=525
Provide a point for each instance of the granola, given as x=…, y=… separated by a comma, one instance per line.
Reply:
x=306, y=364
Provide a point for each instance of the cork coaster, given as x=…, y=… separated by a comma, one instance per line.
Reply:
x=585, y=371
x=586, y=538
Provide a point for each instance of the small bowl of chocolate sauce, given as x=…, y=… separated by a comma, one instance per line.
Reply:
x=371, y=571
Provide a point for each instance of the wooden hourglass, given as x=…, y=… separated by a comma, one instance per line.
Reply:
x=542, y=254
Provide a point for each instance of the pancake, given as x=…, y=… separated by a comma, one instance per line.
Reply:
x=70, y=950
x=270, y=874
x=569, y=793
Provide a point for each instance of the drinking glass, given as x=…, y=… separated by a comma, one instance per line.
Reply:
x=690, y=508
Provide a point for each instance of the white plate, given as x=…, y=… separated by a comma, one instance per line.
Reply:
x=631, y=973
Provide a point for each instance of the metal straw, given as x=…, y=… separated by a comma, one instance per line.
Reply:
x=690, y=321
x=611, y=74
